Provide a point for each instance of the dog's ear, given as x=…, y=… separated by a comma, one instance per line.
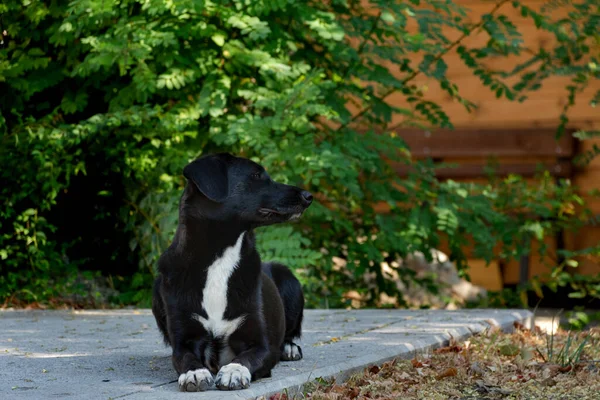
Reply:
x=209, y=174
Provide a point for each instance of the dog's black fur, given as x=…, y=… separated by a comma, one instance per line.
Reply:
x=226, y=196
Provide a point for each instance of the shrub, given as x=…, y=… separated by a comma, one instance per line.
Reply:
x=104, y=101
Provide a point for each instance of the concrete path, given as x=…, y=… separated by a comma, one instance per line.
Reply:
x=119, y=354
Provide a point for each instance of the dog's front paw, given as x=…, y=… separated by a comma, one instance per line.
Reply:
x=233, y=377
x=291, y=352
x=198, y=380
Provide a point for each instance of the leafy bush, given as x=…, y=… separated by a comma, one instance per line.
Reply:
x=102, y=102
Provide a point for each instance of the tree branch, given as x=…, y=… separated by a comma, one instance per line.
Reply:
x=146, y=216
x=364, y=43
x=415, y=73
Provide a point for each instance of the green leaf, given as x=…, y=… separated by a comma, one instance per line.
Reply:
x=510, y=350
x=387, y=16
x=572, y=263
x=219, y=39
x=440, y=69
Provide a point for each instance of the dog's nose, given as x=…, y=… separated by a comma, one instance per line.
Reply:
x=306, y=197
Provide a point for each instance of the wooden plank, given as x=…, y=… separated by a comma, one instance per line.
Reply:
x=533, y=38
x=593, y=203
x=589, y=168
x=501, y=160
x=560, y=169
x=504, y=113
x=470, y=87
x=587, y=179
x=586, y=237
x=487, y=142
x=538, y=266
x=486, y=276
x=510, y=272
x=476, y=10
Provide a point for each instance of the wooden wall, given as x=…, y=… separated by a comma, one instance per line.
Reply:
x=541, y=110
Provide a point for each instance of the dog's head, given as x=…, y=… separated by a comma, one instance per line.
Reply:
x=233, y=188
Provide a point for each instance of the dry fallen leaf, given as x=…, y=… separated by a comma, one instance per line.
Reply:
x=549, y=382
x=448, y=349
x=352, y=393
x=550, y=370
x=338, y=389
x=374, y=369
x=483, y=386
x=449, y=372
x=416, y=363
x=565, y=369
x=519, y=326
x=477, y=368
x=404, y=375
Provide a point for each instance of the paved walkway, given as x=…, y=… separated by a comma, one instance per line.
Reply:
x=119, y=354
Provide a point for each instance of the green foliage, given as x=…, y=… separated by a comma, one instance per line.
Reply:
x=584, y=159
x=569, y=353
x=580, y=319
x=287, y=246
x=102, y=103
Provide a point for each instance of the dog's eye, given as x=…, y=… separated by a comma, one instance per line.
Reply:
x=256, y=175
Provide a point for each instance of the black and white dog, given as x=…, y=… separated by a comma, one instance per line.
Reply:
x=221, y=310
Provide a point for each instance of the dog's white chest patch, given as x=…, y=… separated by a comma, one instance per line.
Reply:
x=214, y=295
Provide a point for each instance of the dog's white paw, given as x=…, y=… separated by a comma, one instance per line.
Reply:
x=198, y=380
x=233, y=376
x=291, y=352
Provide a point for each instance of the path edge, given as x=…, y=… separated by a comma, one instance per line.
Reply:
x=294, y=385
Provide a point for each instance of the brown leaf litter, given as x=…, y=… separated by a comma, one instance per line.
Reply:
x=524, y=364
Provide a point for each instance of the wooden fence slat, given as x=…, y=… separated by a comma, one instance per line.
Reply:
x=481, y=143
x=561, y=169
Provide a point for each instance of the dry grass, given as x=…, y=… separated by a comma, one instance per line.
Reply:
x=523, y=364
